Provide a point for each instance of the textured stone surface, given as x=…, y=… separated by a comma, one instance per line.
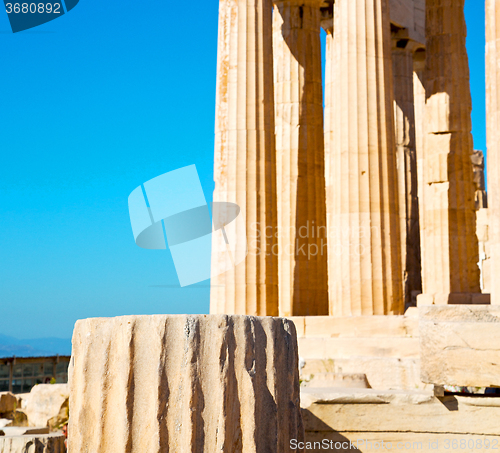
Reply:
x=449, y=243
x=369, y=442
x=409, y=14
x=300, y=159
x=383, y=348
x=478, y=168
x=319, y=380
x=49, y=443
x=460, y=345
x=8, y=402
x=369, y=410
x=245, y=159
x=492, y=134
x=364, y=254
x=406, y=158
x=13, y=431
x=47, y=405
x=184, y=383
x=14, y=418
x=356, y=326
x=485, y=258
x=383, y=373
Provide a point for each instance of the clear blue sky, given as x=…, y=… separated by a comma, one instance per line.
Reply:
x=94, y=104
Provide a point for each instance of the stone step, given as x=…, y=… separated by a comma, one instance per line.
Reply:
x=381, y=372
x=345, y=347
x=369, y=410
x=358, y=326
x=369, y=442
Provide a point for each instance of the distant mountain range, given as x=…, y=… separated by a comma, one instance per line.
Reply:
x=10, y=346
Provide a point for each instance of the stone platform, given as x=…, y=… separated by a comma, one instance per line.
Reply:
x=407, y=417
x=383, y=348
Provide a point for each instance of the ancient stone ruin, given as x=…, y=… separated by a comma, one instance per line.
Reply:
x=370, y=235
x=181, y=383
x=366, y=210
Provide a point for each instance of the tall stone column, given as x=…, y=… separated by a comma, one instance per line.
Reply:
x=245, y=163
x=419, y=111
x=327, y=25
x=406, y=158
x=493, y=136
x=362, y=189
x=303, y=281
x=450, y=250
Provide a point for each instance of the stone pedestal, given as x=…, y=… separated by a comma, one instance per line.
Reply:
x=406, y=158
x=364, y=251
x=493, y=137
x=448, y=224
x=303, y=283
x=183, y=383
x=245, y=161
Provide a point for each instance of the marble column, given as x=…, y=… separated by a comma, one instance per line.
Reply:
x=327, y=25
x=245, y=165
x=493, y=137
x=303, y=281
x=419, y=112
x=362, y=187
x=183, y=383
x=450, y=249
x=404, y=116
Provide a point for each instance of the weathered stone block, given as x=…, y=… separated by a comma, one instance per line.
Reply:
x=8, y=402
x=369, y=410
x=47, y=405
x=460, y=345
x=382, y=373
x=184, y=383
x=453, y=299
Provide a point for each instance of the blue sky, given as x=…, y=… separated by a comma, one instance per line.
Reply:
x=94, y=104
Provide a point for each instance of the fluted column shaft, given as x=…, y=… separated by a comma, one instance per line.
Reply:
x=362, y=191
x=245, y=166
x=184, y=383
x=493, y=137
x=303, y=284
x=404, y=116
x=450, y=249
x=419, y=111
